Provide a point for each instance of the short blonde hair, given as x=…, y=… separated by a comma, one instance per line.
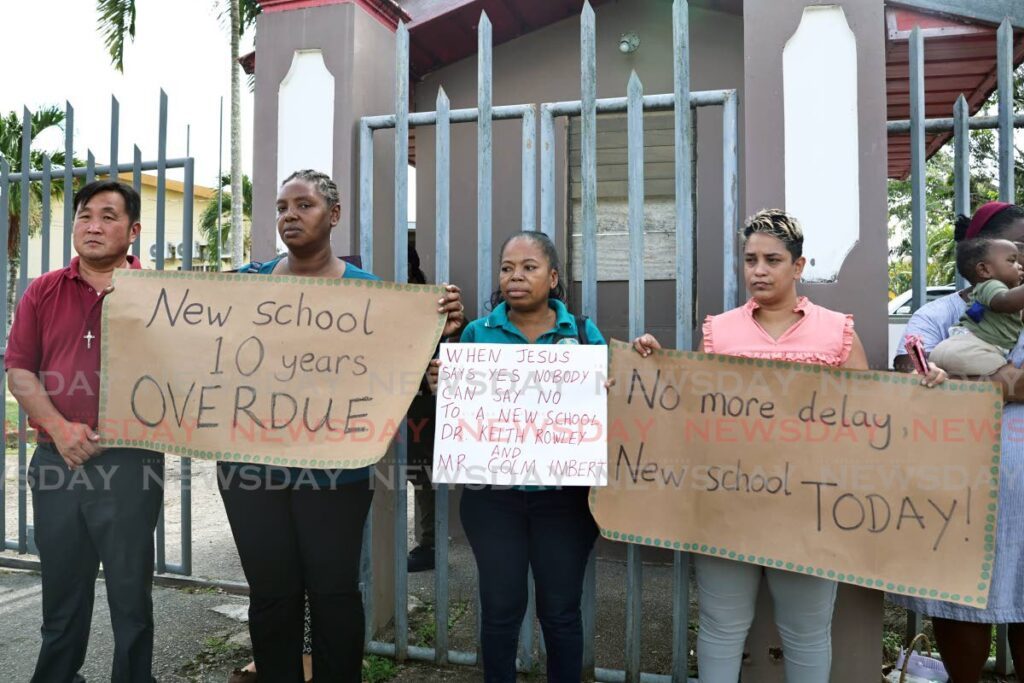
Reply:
x=780, y=225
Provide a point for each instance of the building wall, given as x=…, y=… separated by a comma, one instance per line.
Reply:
x=360, y=54
x=173, y=222
x=544, y=67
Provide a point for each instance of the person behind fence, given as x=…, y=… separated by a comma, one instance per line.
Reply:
x=547, y=529
x=775, y=324
x=300, y=531
x=421, y=455
x=963, y=634
x=992, y=323
x=89, y=504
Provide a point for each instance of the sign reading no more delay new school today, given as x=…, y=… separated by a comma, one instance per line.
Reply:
x=858, y=476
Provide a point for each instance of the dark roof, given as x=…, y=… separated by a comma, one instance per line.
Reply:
x=960, y=57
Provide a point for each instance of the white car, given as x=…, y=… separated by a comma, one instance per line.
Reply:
x=899, y=314
x=901, y=303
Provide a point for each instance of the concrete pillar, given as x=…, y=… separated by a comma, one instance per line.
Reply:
x=860, y=287
x=321, y=65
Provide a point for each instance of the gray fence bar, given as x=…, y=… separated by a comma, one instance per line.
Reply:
x=5, y=197
x=686, y=288
x=161, y=183
x=26, y=192
x=442, y=218
x=69, y=186
x=115, y=127
x=102, y=169
x=731, y=197
x=1004, y=41
x=961, y=166
x=919, y=220
x=429, y=118
x=46, y=191
x=588, y=143
x=588, y=612
x=529, y=182
x=942, y=125
x=686, y=243
x=24, y=225
x=606, y=105
x=484, y=145
x=547, y=171
x=401, y=235
x=635, y=175
x=90, y=166
x=137, y=184
x=366, y=195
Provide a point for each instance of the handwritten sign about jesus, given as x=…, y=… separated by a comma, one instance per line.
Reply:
x=512, y=414
x=271, y=369
x=862, y=477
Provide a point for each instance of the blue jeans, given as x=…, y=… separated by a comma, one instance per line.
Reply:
x=550, y=531
x=803, y=615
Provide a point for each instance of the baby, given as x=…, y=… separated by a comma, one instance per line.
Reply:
x=992, y=323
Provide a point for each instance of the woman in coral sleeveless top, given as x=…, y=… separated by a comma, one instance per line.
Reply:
x=775, y=324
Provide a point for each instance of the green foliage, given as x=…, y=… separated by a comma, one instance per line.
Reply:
x=939, y=205
x=208, y=219
x=378, y=669
x=116, y=22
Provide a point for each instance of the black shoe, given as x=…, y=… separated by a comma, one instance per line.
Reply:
x=421, y=559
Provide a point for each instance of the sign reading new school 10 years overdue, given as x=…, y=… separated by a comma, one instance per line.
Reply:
x=522, y=414
x=858, y=476
x=282, y=370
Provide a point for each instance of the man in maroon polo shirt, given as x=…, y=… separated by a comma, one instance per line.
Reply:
x=90, y=504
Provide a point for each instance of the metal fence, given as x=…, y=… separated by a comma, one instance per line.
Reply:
x=960, y=125
x=634, y=104
x=41, y=183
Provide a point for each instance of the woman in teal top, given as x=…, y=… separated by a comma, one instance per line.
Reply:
x=300, y=531
x=549, y=530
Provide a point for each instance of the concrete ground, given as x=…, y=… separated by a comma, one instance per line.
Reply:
x=201, y=634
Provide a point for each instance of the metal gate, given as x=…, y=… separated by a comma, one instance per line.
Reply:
x=634, y=104
x=41, y=182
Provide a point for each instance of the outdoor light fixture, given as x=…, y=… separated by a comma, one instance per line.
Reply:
x=628, y=42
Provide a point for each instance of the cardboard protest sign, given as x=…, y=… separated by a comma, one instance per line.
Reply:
x=862, y=477
x=513, y=414
x=280, y=370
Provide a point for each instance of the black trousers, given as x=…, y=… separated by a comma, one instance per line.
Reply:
x=296, y=541
x=550, y=531
x=104, y=511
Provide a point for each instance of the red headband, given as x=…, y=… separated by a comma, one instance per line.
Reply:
x=982, y=216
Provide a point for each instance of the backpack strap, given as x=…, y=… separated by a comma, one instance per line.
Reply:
x=581, y=329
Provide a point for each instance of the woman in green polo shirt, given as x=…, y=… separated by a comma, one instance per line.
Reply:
x=549, y=529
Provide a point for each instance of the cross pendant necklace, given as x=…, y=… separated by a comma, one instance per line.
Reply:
x=88, y=339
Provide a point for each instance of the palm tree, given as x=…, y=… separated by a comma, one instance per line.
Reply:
x=10, y=150
x=208, y=219
x=117, y=21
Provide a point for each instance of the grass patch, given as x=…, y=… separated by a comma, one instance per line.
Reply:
x=217, y=655
x=424, y=627
x=378, y=669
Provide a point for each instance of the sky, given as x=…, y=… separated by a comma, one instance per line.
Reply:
x=55, y=53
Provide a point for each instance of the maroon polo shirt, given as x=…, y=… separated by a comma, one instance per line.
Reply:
x=56, y=335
